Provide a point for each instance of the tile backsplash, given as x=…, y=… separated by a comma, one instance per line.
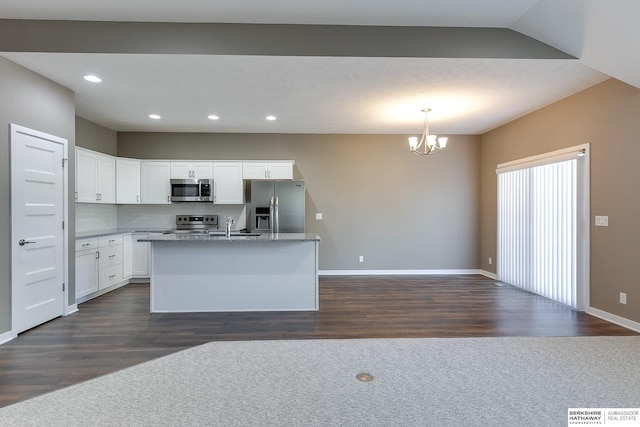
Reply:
x=95, y=217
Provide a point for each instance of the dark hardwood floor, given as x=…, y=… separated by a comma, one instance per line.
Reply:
x=116, y=330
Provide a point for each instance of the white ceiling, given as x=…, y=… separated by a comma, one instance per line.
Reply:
x=326, y=94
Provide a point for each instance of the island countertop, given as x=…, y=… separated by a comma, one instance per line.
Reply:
x=235, y=237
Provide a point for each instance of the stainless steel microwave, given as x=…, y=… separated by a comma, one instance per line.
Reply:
x=192, y=190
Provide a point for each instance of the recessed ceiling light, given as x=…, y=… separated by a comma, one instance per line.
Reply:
x=213, y=117
x=93, y=79
x=271, y=118
x=154, y=116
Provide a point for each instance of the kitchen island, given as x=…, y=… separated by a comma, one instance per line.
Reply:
x=242, y=272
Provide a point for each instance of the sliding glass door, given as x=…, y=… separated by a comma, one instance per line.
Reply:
x=542, y=229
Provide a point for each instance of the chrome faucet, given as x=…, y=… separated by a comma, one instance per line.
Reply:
x=230, y=222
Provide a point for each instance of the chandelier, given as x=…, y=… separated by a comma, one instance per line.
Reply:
x=428, y=144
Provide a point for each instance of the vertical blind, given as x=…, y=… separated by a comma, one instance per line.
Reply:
x=537, y=231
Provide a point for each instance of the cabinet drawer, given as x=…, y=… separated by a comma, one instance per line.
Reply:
x=85, y=244
x=111, y=240
x=109, y=276
x=111, y=255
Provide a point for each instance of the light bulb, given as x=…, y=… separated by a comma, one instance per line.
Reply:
x=431, y=140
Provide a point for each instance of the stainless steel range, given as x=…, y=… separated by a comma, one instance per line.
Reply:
x=195, y=224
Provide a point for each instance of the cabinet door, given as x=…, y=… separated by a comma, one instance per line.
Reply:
x=110, y=256
x=106, y=179
x=254, y=170
x=227, y=182
x=127, y=181
x=191, y=170
x=202, y=170
x=155, y=186
x=141, y=252
x=86, y=272
x=109, y=276
x=127, y=256
x=282, y=170
x=181, y=170
x=86, y=176
x=267, y=170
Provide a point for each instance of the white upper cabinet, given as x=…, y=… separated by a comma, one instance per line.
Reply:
x=106, y=179
x=227, y=182
x=268, y=170
x=127, y=181
x=155, y=184
x=193, y=170
x=101, y=178
x=95, y=177
x=86, y=176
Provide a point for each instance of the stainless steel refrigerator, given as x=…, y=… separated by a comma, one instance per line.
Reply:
x=275, y=206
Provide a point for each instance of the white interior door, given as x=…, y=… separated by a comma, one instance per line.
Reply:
x=37, y=209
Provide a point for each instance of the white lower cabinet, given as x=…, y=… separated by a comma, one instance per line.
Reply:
x=140, y=260
x=127, y=256
x=100, y=264
x=109, y=276
x=86, y=267
x=109, y=261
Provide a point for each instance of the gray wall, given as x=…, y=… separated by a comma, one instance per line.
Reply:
x=32, y=101
x=606, y=116
x=95, y=137
x=399, y=210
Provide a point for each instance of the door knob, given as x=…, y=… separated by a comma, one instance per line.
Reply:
x=23, y=242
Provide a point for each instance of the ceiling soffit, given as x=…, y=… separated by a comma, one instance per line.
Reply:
x=270, y=40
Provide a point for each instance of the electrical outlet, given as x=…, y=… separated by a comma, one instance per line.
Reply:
x=319, y=216
x=361, y=258
x=490, y=260
x=602, y=221
x=623, y=298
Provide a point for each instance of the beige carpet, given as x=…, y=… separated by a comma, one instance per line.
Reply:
x=417, y=382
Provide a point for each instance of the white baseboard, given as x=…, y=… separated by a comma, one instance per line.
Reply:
x=488, y=274
x=101, y=292
x=71, y=309
x=621, y=321
x=6, y=337
x=396, y=272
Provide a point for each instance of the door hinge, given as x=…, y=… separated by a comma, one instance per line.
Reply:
x=63, y=225
x=63, y=287
x=63, y=161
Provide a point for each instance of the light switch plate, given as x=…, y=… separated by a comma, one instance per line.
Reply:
x=319, y=216
x=623, y=298
x=602, y=221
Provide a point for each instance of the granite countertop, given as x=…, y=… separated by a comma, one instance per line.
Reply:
x=235, y=237
x=97, y=233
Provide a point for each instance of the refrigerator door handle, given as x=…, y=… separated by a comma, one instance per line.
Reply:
x=277, y=221
x=271, y=213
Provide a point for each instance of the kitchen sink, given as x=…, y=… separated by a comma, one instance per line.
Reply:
x=236, y=234
x=186, y=232
x=212, y=233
